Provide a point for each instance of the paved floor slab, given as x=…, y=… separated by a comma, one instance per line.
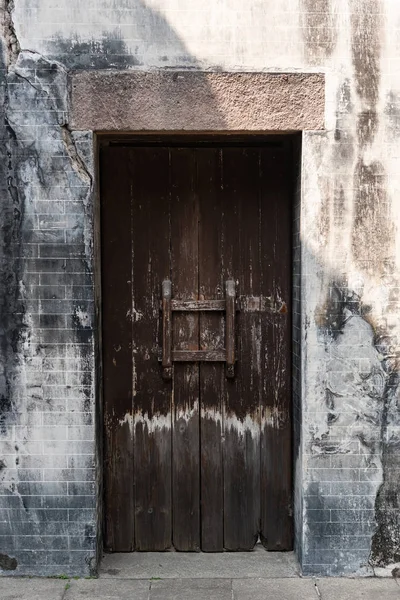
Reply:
x=191, y=589
x=191, y=565
x=96, y=589
x=16, y=588
x=273, y=589
x=368, y=588
x=288, y=588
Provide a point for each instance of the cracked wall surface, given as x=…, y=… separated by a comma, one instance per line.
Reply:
x=346, y=264
x=47, y=487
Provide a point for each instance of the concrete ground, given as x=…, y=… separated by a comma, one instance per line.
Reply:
x=179, y=576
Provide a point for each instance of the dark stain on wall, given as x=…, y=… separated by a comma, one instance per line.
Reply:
x=342, y=153
x=108, y=52
x=343, y=149
x=319, y=30
x=372, y=246
x=339, y=207
x=12, y=307
x=341, y=302
x=7, y=563
x=367, y=127
x=366, y=31
x=392, y=113
x=385, y=548
x=328, y=316
x=5, y=397
x=110, y=49
x=324, y=217
x=373, y=229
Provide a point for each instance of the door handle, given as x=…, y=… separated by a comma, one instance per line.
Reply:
x=169, y=306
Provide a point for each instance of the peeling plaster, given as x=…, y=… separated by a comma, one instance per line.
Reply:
x=33, y=166
x=11, y=41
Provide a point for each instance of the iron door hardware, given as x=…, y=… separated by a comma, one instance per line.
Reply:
x=227, y=355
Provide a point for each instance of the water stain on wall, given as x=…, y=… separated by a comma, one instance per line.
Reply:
x=372, y=247
x=371, y=211
x=12, y=307
x=110, y=51
x=373, y=229
x=366, y=35
x=319, y=28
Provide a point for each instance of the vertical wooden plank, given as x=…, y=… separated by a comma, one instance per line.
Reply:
x=185, y=432
x=212, y=375
x=117, y=352
x=149, y=169
x=276, y=460
x=241, y=260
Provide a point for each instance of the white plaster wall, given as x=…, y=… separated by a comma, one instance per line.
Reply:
x=253, y=35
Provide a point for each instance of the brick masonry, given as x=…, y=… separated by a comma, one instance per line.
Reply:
x=346, y=266
x=47, y=467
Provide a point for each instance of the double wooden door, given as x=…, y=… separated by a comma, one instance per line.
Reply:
x=196, y=386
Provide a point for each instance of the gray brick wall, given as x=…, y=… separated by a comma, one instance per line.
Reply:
x=48, y=489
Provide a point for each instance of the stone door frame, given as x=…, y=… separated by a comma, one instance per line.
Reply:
x=126, y=103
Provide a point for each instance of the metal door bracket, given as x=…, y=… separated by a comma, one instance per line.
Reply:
x=227, y=355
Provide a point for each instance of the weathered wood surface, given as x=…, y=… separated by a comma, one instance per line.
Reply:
x=199, y=355
x=186, y=419
x=241, y=263
x=212, y=375
x=151, y=393
x=261, y=304
x=276, y=452
x=202, y=461
x=198, y=305
x=117, y=351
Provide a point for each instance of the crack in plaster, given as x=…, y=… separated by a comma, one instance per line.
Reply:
x=12, y=44
x=74, y=156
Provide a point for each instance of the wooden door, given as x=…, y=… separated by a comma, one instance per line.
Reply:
x=197, y=455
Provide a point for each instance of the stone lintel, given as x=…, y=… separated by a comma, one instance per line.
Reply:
x=176, y=101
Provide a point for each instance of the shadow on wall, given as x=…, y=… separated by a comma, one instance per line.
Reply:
x=151, y=35
x=148, y=34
